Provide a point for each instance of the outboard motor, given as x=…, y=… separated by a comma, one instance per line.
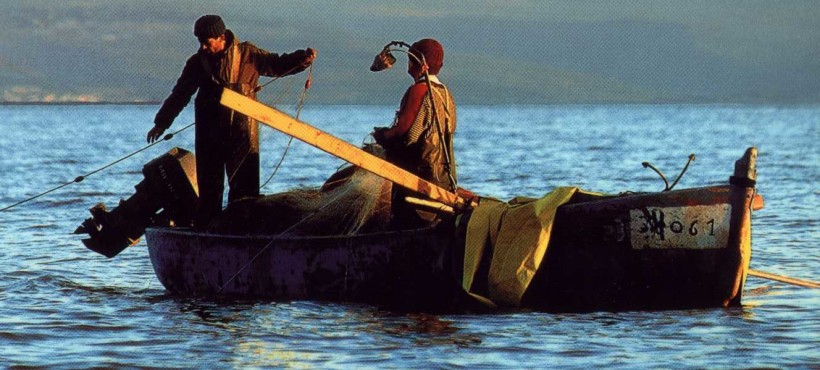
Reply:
x=168, y=196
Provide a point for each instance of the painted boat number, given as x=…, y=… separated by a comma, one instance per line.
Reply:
x=693, y=227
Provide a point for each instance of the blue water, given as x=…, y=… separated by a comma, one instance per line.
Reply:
x=63, y=305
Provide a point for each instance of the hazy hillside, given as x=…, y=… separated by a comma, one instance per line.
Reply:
x=497, y=52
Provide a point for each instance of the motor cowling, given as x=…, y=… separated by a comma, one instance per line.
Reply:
x=167, y=196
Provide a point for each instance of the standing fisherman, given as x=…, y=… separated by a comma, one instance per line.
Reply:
x=226, y=141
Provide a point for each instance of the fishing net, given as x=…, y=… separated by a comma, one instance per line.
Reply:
x=350, y=201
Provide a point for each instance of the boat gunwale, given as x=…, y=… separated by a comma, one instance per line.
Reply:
x=190, y=232
x=631, y=195
x=187, y=231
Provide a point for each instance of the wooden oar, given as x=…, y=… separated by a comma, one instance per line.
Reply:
x=784, y=279
x=337, y=147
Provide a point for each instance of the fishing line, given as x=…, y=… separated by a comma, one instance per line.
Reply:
x=275, y=238
x=165, y=138
x=83, y=177
x=258, y=89
x=302, y=98
x=328, y=202
x=287, y=73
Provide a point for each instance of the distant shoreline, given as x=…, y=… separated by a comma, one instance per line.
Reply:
x=605, y=103
x=82, y=103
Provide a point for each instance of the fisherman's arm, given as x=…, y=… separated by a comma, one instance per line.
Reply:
x=408, y=110
x=181, y=94
x=285, y=64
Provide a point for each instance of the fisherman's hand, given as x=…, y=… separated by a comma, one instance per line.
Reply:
x=154, y=133
x=378, y=135
x=311, y=56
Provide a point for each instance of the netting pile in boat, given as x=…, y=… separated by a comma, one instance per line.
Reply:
x=351, y=201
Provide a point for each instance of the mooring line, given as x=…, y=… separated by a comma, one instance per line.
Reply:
x=82, y=177
x=784, y=279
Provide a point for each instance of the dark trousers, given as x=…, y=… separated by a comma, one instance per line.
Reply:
x=221, y=151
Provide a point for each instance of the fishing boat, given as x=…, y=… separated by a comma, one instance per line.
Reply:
x=674, y=249
x=568, y=251
x=679, y=249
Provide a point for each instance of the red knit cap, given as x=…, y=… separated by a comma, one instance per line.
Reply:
x=433, y=53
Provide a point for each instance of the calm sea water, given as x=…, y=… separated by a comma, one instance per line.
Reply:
x=63, y=305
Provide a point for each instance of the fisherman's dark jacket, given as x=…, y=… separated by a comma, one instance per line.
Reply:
x=208, y=74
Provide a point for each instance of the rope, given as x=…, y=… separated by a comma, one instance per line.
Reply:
x=287, y=73
x=259, y=88
x=301, y=104
x=302, y=98
x=784, y=279
x=282, y=159
x=275, y=238
x=82, y=177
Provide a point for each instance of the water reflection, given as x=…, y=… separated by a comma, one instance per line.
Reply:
x=424, y=329
x=301, y=334
x=256, y=353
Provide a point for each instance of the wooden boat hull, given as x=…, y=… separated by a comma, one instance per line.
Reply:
x=671, y=250
x=400, y=269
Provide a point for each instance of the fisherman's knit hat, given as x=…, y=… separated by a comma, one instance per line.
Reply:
x=208, y=26
x=433, y=53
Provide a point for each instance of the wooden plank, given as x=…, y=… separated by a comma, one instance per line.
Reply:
x=337, y=147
